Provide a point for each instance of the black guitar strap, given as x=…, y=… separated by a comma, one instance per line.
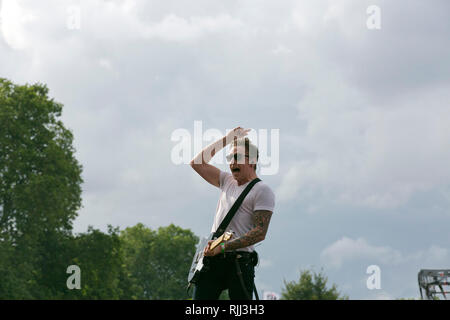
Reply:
x=226, y=221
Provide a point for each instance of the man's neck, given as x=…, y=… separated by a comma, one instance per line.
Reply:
x=247, y=179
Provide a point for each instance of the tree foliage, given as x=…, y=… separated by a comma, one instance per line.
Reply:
x=40, y=189
x=40, y=179
x=40, y=195
x=310, y=286
x=98, y=255
x=158, y=261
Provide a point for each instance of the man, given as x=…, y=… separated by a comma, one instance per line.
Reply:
x=249, y=224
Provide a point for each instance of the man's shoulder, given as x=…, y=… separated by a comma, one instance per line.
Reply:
x=263, y=188
x=225, y=179
x=263, y=185
x=264, y=197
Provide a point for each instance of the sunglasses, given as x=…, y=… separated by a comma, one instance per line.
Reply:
x=239, y=157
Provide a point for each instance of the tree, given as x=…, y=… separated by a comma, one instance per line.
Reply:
x=40, y=188
x=39, y=176
x=158, y=261
x=99, y=257
x=40, y=195
x=310, y=286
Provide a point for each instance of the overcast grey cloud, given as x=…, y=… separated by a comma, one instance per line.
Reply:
x=363, y=118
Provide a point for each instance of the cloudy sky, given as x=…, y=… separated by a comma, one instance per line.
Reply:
x=360, y=96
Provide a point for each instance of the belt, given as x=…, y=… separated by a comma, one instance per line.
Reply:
x=243, y=254
x=234, y=254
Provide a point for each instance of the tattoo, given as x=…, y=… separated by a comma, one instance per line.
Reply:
x=261, y=219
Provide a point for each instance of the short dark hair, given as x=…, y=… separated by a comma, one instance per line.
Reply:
x=249, y=147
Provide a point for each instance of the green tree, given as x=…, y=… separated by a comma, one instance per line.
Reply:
x=40, y=189
x=12, y=283
x=310, y=286
x=40, y=195
x=99, y=257
x=158, y=262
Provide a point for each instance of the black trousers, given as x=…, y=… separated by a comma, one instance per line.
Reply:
x=221, y=274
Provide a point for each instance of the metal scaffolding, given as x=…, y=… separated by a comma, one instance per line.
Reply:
x=431, y=280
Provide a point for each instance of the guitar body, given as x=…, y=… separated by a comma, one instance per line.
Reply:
x=200, y=262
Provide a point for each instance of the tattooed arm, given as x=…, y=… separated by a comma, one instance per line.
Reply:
x=261, y=219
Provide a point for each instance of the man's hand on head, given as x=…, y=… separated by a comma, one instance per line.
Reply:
x=236, y=133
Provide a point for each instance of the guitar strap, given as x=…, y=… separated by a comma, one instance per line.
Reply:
x=226, y=221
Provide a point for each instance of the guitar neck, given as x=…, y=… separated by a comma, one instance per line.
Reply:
x=217, y=241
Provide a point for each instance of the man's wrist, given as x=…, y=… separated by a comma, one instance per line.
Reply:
x=228, y=139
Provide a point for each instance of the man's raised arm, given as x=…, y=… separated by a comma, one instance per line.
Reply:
x=200, y=163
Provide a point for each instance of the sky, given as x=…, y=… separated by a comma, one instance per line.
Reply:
x=357, y=90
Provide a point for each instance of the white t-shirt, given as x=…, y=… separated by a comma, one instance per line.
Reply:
x=260, y=197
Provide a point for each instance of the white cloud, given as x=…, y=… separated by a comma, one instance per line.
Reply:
x=105, y=63
x=175, y=28
x=27, y=25
x=281, y=50
x=431, y=258
x=347, y=250
x=357, y=151
x=312, y=19
x=14, y=20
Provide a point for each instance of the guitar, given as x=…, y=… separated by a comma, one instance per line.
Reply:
x=198, y=263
